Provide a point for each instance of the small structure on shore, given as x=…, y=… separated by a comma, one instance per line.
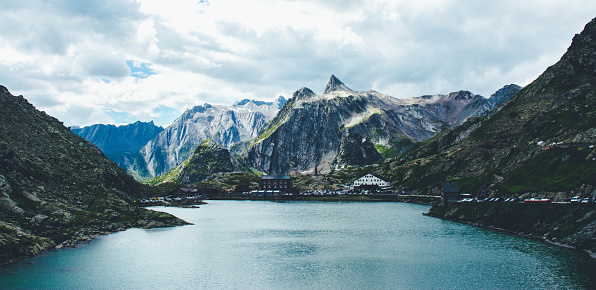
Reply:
x=449, y=192
x=371, y=182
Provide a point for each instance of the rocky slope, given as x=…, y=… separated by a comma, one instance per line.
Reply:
x=56, y=189
x=208, y=158
x=540, y=143
x=308, y=133
x=572, y=225
x=224, y=124
x=119, y=143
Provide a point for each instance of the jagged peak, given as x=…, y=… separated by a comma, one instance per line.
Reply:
x=585, y=36
x=335, y=84
x=504, y=94
x=242, y=102
x=281, y=99
x=303, y=94
x=507, y=88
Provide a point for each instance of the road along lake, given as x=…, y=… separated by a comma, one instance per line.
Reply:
x=305, y=245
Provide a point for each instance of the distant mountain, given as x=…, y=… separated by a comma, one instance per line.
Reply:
x=504, y=94
x=56, y=189
x=308, y=133
x=211, y=167
x=226, y=125
x=541, y=143
x=119, y=143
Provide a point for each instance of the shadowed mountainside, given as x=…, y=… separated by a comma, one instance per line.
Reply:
x=56, y=189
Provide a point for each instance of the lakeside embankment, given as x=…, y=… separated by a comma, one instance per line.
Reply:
x=566, y=225
x=418, y=199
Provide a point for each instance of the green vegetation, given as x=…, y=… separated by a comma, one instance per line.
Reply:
x=229, y=181
x=556, y=169
x=387, y=151
x=170, y=176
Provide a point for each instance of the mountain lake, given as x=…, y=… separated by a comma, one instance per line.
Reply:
x=306, y=245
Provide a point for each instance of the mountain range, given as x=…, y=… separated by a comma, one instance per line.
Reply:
x=310, y=132
x=226, y=125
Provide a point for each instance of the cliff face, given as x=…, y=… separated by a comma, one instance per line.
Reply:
x=541, y=142
x=119, y=143
x=226, y=125
x=308, y=133
x=56, y=188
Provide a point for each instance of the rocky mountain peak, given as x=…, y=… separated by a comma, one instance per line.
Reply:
x=335, y=84
x=280, y=101
x=504, y=94
x=4, y=90
x=585, y=36
x=303, y=94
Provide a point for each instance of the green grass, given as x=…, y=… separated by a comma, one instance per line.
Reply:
x=556, y=169
x=387, y=151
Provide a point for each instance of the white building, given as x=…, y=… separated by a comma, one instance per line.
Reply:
x=371, y=180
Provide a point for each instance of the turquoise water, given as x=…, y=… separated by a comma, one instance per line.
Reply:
x=329, y=245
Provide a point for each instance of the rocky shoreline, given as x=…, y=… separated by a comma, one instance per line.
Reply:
x=18, y=244
x=571, y=226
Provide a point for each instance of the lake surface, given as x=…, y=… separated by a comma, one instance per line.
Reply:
x=330, y=245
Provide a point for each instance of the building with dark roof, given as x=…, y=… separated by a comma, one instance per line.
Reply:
x=450, y=192
x=276, y=182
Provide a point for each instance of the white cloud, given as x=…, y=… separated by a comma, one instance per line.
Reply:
x=69, y=58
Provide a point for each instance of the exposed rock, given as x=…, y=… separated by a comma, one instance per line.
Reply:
x=504, y=94
x=335, y=84
x=357, y=151
x=226, y=125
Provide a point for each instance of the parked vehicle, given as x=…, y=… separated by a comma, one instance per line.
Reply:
x=586, y=200
x=575, y=199
x=469, y=200
x=538, y=200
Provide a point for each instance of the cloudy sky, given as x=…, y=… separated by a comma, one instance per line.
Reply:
x=119, y=61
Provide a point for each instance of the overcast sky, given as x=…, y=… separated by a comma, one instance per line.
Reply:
x=119, y=61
